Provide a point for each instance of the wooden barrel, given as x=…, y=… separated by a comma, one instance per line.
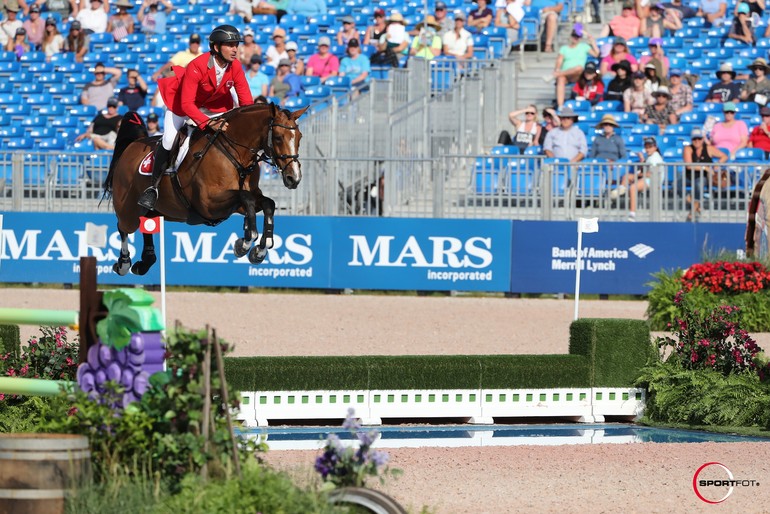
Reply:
x=36, y=470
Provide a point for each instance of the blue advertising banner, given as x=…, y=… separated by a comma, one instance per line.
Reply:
x=421, y=254
x=47, y=247
x=619, y=259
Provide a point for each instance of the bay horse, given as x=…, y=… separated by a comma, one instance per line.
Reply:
x=219, y=176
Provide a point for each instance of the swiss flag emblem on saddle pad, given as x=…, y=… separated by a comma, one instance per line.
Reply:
x=145, y=167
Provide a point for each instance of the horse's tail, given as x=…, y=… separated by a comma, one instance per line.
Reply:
x=132, y=127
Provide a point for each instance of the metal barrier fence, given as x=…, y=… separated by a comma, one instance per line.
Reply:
x=453, y=186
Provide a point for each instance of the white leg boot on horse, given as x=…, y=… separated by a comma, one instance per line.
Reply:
x=150, y=195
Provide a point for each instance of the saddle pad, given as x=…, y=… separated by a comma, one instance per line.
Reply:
x=145, y=167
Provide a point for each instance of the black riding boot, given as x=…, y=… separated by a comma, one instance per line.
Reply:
x=150, y=195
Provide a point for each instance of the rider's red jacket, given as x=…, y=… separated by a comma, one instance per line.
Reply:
x=195, y=87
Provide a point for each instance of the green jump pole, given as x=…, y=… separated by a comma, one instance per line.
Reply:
x=33, y=386
x=42, y=317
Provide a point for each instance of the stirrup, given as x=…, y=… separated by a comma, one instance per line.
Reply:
x=148, y=198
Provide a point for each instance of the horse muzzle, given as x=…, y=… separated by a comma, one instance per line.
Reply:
x=291, y=181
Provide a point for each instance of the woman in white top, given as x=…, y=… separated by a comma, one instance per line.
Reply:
x=527, y=130
x=53, y=41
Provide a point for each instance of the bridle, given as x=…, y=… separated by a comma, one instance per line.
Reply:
x=268, y=155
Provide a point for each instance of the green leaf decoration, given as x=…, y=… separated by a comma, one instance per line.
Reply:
x=130, y=311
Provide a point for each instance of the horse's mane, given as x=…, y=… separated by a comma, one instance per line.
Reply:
x=246, y=109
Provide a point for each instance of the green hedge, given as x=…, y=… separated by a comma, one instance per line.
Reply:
x=603, y=353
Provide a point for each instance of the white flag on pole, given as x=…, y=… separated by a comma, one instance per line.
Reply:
x=588, y=225
x=96, y=235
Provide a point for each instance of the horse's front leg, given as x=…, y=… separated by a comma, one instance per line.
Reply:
x=250, y=233
x=259, y=252
x=148, y=256
x=124, y=260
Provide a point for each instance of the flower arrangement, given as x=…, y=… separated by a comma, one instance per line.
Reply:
x=710, y=340
x=347, y=466
x=727, y=277
x=49, y=356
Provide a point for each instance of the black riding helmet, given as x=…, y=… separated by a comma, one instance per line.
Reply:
x=224, y=34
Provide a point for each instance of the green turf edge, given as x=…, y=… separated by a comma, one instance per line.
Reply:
x=742, y=431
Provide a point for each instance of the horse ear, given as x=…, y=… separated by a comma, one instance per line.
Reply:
x=273, y=110
x=296, y=114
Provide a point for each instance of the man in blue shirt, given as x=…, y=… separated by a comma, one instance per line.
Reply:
x=355, y=65
x=307, y=8
x=566, y=141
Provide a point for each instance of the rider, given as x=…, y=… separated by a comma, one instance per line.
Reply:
x=200, y=92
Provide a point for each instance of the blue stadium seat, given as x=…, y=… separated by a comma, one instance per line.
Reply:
x=83, y=110
x=750, y=155
x=609, y=106
x=317, y=92
x=310, y=81
x=338, y=84
x=296, y=102
x=504, y=150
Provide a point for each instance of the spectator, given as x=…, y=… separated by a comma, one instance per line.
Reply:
x=681, y=11
x=427, y=44
x=657, y=57
x=181, y=58
x=698, y=177
x=508, y=15
x=550, y=121
x=741, y=29
x=681, y=93
x=153, y=125
x=620, y=83
x=726, y=90
x=377, y=30
x=99, y=90
x=757, y=88
x=567, y=141
x=355, y=65
x=10, y=23
x=713, y=12
x=248, y=48
x=307, y=8
x=77, y=41
x=755, y=6
x=458, y=41
x=297, y=66
x=277, y=50
x=760, y=135
x=285, y=84
x=625, y=25
x=609, y=145
x=64, y=8
x=323, y=63
x=589, y=86
x=527, y=130
x=152, y=16
x=619, y=52
x=242, y=8
x=481, y=17
x=660, y=113
x=121, y=24
x=549, y=18
x=571, y=61
x=278, y=8
x=638, y=182
x=103, y=129
x=35, y=27
x=730, y=134
x=53, y=42
x=445, y=22
x=19, y=44
x=637, y=98
x=94, y=19
x=259, y=82
x=134, y=95
x=651, y=80
x=660, y=21
x=395, y=37
x=348, y=31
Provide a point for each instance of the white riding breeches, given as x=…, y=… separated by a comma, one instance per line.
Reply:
x=173, y=123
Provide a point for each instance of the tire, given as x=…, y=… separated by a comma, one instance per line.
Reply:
x=369, y=499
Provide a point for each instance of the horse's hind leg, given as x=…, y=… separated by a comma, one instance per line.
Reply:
x=259, y=252
x=148, y=256
x=250, y=233
x=124, y=260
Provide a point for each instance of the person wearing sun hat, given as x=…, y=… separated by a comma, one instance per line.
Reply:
x=248, y=48
x=297, y=65
x=609, y=145
x=741, y=29
x=11, y=23
x=567, y=141
x=757, y=88
x=427, y=44
x=622, y=81
x=94, y=18
x=277, y=50
x=458, y=41
x=395, y=38
x=726, y=90
x=660, y=113
x=121, y=23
